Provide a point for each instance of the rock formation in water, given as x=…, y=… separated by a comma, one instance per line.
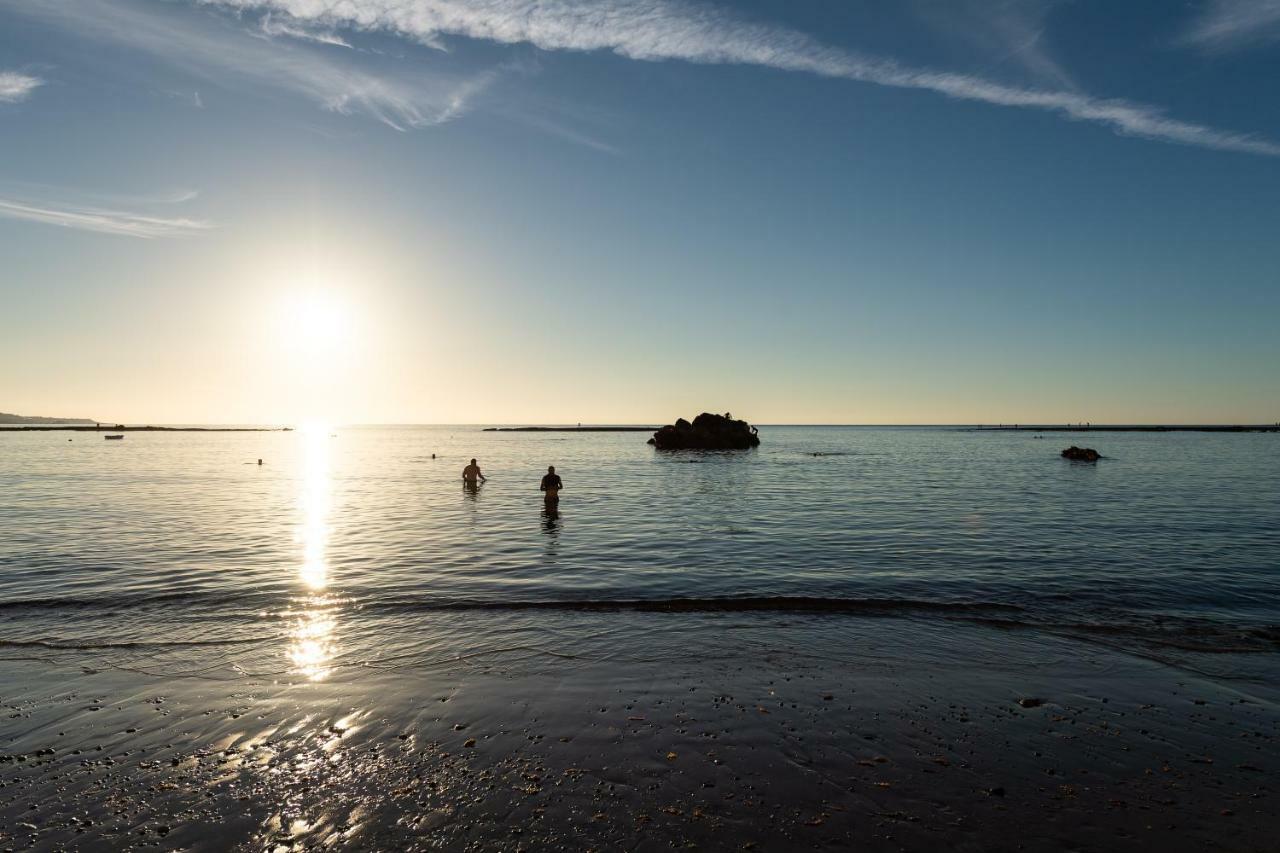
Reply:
x=1081, y=454
x=707, y=432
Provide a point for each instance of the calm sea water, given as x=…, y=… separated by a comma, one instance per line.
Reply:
x=350, y=547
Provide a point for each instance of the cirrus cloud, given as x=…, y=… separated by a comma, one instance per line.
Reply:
x=1227, y=24
x=16, y=86
x=101, y=220
x=273, y=52
x=656, y=30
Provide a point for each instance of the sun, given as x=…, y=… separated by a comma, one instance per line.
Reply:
x=315, y=323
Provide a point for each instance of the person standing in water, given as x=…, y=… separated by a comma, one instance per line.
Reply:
x=471, y=474
x=551, y=485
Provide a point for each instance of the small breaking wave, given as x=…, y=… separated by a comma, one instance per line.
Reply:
x=728, y=604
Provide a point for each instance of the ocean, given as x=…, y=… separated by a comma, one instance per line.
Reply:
x=850, y=638
x=331, y=553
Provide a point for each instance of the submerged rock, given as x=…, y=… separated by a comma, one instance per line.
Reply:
x=1081, y=454
x=707, y=432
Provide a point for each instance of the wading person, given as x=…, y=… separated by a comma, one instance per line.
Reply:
x=471, y=474
x=551, y=485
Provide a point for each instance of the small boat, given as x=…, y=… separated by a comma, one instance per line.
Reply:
x=116, y=437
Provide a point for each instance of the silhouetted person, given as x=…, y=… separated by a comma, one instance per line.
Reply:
x=551, y=485
x=471, y=474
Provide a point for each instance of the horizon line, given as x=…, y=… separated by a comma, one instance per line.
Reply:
x=993, y=425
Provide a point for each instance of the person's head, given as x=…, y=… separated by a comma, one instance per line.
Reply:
x=473, y=461
x=551, y=469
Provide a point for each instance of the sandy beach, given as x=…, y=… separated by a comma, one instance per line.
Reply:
x=725, y=732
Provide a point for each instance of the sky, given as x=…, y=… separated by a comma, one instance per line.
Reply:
x=626, y=211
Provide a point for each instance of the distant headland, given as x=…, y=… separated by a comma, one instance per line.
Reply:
x=6, y=418
x=97, y=427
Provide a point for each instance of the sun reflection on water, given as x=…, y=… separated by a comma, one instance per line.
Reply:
x=311, y=648
x=314, y=503
x=311, y=641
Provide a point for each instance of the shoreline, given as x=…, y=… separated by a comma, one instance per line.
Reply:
x=779, y=733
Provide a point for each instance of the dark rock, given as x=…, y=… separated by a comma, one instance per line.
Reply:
x=1081, y=454
x=1030, y=702
x=707, y=432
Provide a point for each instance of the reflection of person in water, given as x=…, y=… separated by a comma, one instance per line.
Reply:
x=550, y=518
x=551, y=485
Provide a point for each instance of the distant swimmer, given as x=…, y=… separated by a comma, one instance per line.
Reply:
x=471, y=473
x=551, y=485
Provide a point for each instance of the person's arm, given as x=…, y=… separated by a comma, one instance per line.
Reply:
x=542, y=484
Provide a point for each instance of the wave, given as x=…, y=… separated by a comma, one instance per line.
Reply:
x=728, y=604
x=112, y=602
x=1045, y=615
x=75, y=645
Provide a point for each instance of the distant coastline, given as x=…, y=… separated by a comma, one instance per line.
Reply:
x=572, y=429
x=92, y=427
x=1132, y=428
x=7, y=418
x=979, y=428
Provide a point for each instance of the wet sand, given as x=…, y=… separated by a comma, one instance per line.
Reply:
x=715, y=732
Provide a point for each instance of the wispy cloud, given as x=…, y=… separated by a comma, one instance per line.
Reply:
x=102, y=220
x=193, y=97
x=228, y=55
x=16, y=86
x=1228, y=24
x=670, y=29
x=552, y=127
x=277, y=25
x=1003, y=32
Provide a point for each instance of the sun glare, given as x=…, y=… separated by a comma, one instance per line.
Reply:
x=315, y=323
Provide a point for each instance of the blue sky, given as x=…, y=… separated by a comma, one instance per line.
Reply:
x=927, y=211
